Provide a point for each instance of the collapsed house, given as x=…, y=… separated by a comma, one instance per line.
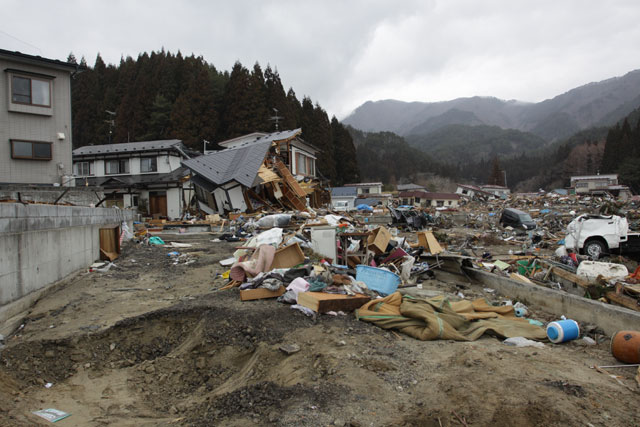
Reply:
x=256, y=172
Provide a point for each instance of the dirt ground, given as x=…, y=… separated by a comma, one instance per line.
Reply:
x=151, y=343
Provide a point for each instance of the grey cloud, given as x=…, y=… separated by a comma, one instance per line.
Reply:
x=344, y=53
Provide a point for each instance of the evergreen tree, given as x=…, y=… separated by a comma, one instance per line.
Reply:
x=194, y=117
x=497, y=175
x=244, y=104
x=344, y=154
x=72, y=58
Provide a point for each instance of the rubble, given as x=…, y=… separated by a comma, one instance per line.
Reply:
x=378, y=278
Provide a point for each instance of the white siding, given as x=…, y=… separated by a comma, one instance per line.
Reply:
x=174, y=202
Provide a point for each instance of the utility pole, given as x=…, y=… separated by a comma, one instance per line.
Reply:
x=111, y=122
x=276, y=118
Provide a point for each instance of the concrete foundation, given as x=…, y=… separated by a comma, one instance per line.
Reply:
x=41, y=244
x=609, y=318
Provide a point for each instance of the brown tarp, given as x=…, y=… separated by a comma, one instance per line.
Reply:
x=437, y=318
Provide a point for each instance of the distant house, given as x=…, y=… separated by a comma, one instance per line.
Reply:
x=472, y=192
x=497, y=190
x=367, y=188
x=254, y=170
x=343, y=198
x=410, y=187
x=424, y=199
x=146, y=175
x=35, y=119
x=600, y=184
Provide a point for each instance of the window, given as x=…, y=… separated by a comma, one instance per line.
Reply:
x=305, y=165
x=31, y=91
x=112, y=167
x=301, y=164
x=148, y=164
x=31, y=150
x=365, y=191
x=84, y=168
x=440, y=203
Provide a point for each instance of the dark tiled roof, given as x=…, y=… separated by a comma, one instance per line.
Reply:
x=344, y=192
x=33, y=58
x=422, y=194
x=128, y=147
x=240, y=163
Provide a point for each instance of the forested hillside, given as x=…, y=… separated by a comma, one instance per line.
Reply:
x=462, y=144
x=161, y=95
x=622, y=151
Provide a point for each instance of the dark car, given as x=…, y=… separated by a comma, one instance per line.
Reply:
x=517, y=219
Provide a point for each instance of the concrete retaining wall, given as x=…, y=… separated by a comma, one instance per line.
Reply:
x=78, y=196
x=609, y=318
x=41, y=244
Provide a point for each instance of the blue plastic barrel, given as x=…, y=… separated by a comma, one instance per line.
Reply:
x=563, y=331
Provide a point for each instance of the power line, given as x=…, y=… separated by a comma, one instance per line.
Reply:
x=21, y=41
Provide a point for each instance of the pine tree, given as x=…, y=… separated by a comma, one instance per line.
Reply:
x=497, y=175
x=344, y=154
x=194, y=117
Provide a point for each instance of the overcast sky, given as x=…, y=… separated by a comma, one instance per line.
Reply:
x=342, y=53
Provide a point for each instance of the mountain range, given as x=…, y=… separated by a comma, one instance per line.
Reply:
x=595, y=104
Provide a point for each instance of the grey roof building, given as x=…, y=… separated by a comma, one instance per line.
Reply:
x=239, y=164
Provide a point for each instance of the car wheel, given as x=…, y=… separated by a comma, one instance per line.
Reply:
x=595, y=249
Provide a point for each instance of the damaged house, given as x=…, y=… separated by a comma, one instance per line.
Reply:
x=256, y=172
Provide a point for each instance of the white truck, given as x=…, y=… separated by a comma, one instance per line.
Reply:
x=595, y=235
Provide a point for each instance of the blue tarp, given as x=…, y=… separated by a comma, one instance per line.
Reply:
x=363, y=207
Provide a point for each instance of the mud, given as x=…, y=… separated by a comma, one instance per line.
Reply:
x=152, y=343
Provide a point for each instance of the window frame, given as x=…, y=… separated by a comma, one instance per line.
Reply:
x=120, y=163
x=30, y=78
x=13, y=156
x=88, y=163
x=154, y=161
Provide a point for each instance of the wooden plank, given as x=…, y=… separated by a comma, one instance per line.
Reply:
x=622, y=300
x=290, y=180
x=260, y=293
x=321, y=302
x=292, y=200
x=583, y=283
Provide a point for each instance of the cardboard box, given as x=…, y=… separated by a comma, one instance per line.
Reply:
x=260, y=293
x=427, y=240
x=378, y=240
x=288, y=257
x=321, y=302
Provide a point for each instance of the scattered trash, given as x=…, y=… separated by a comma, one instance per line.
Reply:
x=155, y=240
x=51, y=414
x=289, y=349
x=562, y=331
x=523, y=342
